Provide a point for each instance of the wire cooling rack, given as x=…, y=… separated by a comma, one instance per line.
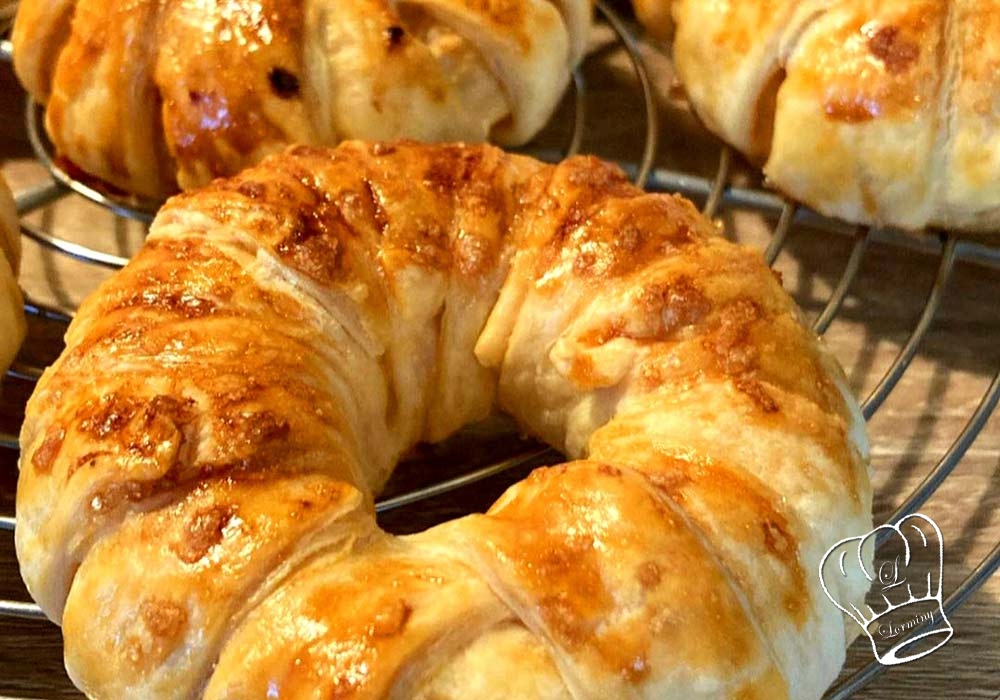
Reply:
x=719, y=194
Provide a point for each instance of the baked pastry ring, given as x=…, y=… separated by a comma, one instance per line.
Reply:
x=149, y=94
x=195, y=497
x=12, y=324
x=875, y=111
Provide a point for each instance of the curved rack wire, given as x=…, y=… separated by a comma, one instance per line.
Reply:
x=717, y=193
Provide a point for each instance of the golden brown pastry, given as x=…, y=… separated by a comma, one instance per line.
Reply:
x=151, y=94
x=12, y=324
x=195, y=498
x=655, y=17
x=874, y=111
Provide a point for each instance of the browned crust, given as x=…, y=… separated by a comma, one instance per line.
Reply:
x=201, y=373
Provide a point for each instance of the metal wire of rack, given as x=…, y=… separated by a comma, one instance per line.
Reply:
x=718, y=194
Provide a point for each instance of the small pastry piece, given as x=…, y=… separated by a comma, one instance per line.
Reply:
x=152, y=95
x=882, y=112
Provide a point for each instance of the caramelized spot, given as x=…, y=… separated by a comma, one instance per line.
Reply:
x=87, y=460
x=451, y=169
x=313, y=247
x=202, y=532
x=110, y=415
x=671, y=476
x=567, y=575
x=659, y=311
x=171, y=298
x=757, y=393
x=250, y=389
x=616, y=231
x=649, y=575
x=379, y=215
x=391, y=620
x=172, y=414
x=735, y=353
x=776, y=537
x=609, y=470
x=46, y=454
x=563, y=617
x=473, y=255
x=258, y=428
x=896, y=52
x=755, y=520
x=602, y=334
x=681, y=304
x=164, y=619
x=591, y=173
x=252, y=189
x=852, y=110
x=177, y=410
x=425, y=244
x=164, y=622
x=153, y=432
x=583, y=372
x=141, y=426
x=115, y=495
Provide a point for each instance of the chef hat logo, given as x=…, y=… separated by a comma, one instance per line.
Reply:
x=906, y=619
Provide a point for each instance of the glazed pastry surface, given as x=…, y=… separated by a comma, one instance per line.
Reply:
x=881, y=112
x=152, y=95
x=195, y=498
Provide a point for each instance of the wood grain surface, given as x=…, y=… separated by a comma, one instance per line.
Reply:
x=921, y=418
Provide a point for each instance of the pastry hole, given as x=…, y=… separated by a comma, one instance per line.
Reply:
x=394, y=36
x=284, y=83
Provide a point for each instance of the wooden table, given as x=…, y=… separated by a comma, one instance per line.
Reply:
x=928, y=409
